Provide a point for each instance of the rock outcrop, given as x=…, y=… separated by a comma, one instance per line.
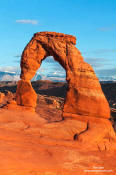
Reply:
x=2, y=96
x=84, y=101
x=25, y=95
x=84, y=95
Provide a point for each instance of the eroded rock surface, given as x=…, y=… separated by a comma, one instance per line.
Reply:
x=84, y=95
x=31, y=146
x=2, y=97
x=25, y=95
x=84, y=100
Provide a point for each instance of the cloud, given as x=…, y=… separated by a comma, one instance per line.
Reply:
x=101, y=68
x=96, y=62
x=107, y=72
x=100, y=51
x=106, y=51
x=107, y=29
x=18, y=56
x=27, y=21
x=94, y=59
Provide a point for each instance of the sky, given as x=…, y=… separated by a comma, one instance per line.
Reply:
x=93, y=22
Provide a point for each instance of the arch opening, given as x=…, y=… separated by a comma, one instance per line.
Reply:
x=51, y=70
x=50, y=85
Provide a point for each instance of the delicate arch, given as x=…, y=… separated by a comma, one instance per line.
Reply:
x=84, y=95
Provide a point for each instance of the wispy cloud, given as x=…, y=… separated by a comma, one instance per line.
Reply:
x=18, y=56
x=94, y=59
x=107, y=29
x=96, y=62
x=27, y=21
x=100, y=51
x=102, y=67
x=107, y=72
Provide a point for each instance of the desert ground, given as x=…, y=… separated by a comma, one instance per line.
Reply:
x=25, y=151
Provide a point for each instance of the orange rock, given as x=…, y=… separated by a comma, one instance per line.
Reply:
x=25, y=94
x=84, y=101
x=23, y=154
x=2, y=97
x=84, y=95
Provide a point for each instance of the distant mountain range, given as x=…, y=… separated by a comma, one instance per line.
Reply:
x=13, y=76
x=9, y=76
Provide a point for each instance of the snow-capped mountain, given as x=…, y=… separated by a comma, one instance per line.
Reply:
x=13, y=76
x=9, y=76
x=57, y=77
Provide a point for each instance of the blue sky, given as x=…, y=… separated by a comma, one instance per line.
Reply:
x=93, y=22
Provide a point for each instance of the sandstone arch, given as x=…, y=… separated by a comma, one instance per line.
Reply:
x=84, y=101
x=84, y=95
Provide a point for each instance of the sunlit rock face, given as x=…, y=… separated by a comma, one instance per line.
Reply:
x=25, y=95
x=84, y=95
x=1, y=97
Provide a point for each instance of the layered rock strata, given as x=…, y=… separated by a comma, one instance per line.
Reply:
x=84, y=100
x=84, y=95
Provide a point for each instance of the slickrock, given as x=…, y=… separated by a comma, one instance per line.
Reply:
x=30, y=146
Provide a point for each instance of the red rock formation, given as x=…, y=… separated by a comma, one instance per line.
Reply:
x=84, y=95
x=84, y=101
x=25, y=94
x=2, y=96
